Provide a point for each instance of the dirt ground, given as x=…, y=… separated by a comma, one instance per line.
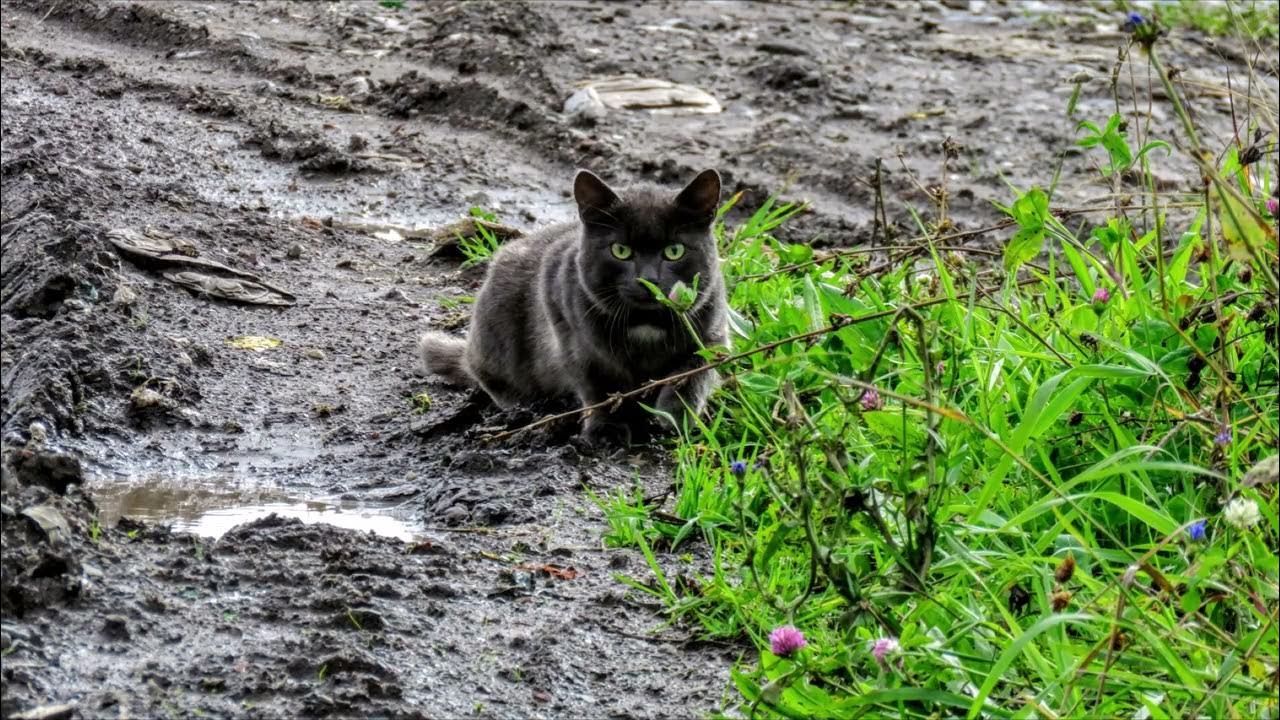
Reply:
x=282, y=139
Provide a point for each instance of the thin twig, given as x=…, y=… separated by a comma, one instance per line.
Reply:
x=616, y=398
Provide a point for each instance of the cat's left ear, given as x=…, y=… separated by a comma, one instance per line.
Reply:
x=594, y=199
x=702, y=196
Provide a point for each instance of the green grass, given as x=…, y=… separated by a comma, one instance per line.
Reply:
x=1255, y=19
x=1000, y=466
x=478, y=248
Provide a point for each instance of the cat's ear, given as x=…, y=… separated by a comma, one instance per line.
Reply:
x=594, y=199
x=701, y=197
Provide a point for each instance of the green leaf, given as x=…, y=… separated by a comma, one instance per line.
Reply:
x=1015, y=649
x=1023, y=247
x=1030, y=211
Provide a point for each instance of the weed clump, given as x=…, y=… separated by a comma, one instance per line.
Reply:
x=1012, y=490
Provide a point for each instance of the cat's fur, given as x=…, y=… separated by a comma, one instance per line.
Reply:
x=560, y=315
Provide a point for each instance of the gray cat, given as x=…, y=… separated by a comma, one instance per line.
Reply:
x=561, y=313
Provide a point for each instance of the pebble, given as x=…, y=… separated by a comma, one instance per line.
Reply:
x=60, y=711
x=781, y=48
x=124, y=295
x=315, y=353
x=294, y=252
x=145, y=397
x=585, y=104
x=266, y=87
x=356, y=88
x=115, y=627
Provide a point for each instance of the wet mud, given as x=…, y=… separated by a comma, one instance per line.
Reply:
x=216, y=506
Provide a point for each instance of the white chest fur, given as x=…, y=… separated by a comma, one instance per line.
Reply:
x=646, y=334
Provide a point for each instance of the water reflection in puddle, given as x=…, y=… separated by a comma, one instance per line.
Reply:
x=209, y=507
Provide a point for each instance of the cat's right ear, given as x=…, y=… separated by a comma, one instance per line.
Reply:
x=594, y=199
x=702, y=196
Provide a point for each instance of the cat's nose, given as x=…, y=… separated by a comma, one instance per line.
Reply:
x=649, y=273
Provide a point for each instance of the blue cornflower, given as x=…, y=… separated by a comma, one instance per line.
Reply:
x=738, y=468
x=1136, y=18
x=1196, y=531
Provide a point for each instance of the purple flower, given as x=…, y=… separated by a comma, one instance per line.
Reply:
x=1223, y=438
x=871, y=399
x=786, y=640
x=1196, y=531
x=883, y=647
x=1136, y=18
x=1273, y=206
x=1101, y=296
x=738, y=468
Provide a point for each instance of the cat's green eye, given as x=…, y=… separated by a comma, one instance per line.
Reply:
x=620, y=251
x=674, y=251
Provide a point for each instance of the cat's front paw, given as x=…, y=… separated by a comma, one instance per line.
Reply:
x=605, y=434
x=672, y=404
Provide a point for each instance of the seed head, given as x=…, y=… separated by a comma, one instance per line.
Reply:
x=1061, y=600
x=1066, y=569
x=1242, y=513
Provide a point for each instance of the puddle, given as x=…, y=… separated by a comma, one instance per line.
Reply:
x=209, y=507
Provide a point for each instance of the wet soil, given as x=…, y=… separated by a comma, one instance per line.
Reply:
x=185, y=552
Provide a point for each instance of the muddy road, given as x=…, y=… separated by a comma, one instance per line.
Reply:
x=241, y=509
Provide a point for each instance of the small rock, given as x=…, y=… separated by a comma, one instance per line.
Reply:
x=395, y=295
x=48, y=468
x=455, y=515
x=124, y=295
x=585, y=104
x=266, y=87
x=143, y=398
x=37, y=436
x=315, y=353
x=115, y=627
x=294, y=252
x=357, y=142
x=356, y=88
x=781, y=48
x=50, y=521
x=61, y=711
x=183, y=360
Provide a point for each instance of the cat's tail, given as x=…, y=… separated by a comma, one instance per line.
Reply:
x=443, y=355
